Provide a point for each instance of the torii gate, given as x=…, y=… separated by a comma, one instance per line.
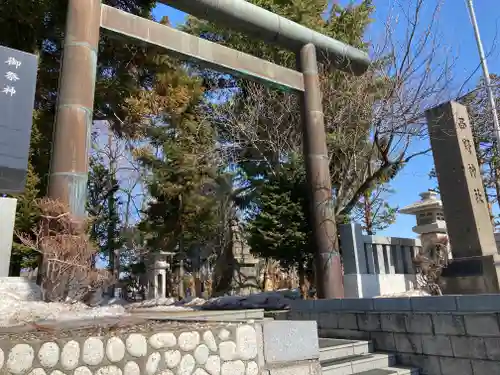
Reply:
x=73, y=124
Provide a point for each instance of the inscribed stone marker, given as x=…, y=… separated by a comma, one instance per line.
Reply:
x=17, y=94
x=465, y=208
x=476, y=263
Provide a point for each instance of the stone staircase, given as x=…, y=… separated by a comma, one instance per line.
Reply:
x=346, y=357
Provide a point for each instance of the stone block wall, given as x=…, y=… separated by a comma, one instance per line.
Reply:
x=447, y=335
x=376, y=265
x=165, y=348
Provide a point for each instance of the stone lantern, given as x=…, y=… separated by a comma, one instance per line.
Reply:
x=431, y=225
x=158, y=269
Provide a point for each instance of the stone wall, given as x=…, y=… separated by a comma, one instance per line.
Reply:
x=448, y=335
x=163, y=348
x=376, y=265
x=367, y=286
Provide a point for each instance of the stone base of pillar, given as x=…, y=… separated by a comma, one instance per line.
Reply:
x=472, y=275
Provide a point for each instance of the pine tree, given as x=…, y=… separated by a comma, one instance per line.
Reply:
x=280, y=229
x=27, y=214
x=102, y=207
x=180, y=211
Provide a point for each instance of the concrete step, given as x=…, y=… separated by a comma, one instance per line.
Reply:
x=331, y=349
x=358, y=363
x=356, y=357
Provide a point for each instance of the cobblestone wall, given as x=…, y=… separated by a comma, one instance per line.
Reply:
x=223, y=351
x=163, y=348
x=448, y=335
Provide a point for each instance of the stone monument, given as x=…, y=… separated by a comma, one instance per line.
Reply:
x=469, y=227
x=246, y=270
x=18, y=70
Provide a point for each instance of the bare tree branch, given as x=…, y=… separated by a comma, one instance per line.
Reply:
x=67, y=253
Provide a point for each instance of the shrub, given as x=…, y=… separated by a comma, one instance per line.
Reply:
x=429, y=264
x=65, y=269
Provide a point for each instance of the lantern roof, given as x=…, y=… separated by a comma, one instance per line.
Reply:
x=429, y=201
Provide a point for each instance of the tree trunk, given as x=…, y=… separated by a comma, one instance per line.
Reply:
x=265, y=276
x=113, y=253
x=302, y=281
x=181, y=251
x=367, y=213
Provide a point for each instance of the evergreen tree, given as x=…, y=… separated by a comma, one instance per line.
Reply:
x=180, y=211
x=102, y=206
x=280, y=229
x=27, y=214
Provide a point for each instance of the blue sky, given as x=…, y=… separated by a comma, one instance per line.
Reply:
x=457, y=33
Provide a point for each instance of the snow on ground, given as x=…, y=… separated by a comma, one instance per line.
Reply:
x=15, y=312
